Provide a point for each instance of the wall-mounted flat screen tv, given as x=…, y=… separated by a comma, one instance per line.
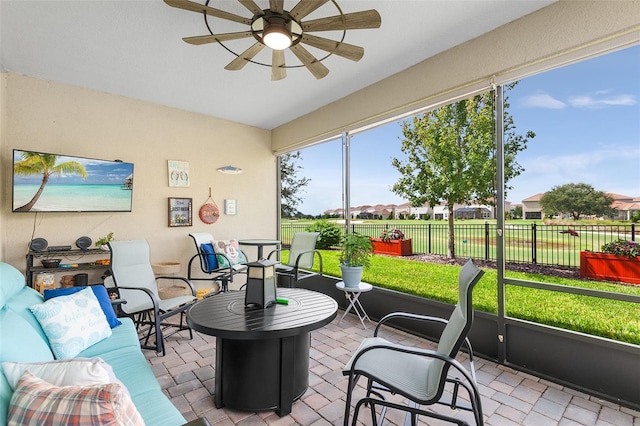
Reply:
x=44, y=182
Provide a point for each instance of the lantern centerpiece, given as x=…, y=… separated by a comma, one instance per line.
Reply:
x=261, y=284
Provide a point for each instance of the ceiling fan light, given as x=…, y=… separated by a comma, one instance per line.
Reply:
x=276, y=35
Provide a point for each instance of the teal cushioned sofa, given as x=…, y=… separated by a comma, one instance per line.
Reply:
x=22, y=340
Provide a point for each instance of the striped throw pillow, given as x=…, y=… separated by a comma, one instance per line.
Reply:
x=36, y=402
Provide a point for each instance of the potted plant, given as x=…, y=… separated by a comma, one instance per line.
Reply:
x=618, y=260
x=355, y=256
x=102, y=242
x=392, y=241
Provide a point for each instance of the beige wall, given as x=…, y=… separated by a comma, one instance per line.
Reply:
x=51, y=117
x=560, y=33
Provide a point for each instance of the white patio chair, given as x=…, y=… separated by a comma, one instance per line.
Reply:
x=137, y=285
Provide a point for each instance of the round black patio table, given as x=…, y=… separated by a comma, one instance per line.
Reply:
x=262, y=355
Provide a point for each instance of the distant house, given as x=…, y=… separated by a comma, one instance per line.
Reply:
x=625, y=207
x=384, y=211
x=531, y=208
x=468, y=211
x=334, y=213
x=420, y=212
x=471, y=213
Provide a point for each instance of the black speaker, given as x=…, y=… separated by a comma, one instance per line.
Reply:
x=80, y=280
x=38, y=244
x=83, y=243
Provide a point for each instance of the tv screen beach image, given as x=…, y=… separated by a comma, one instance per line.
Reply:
x=58, y=183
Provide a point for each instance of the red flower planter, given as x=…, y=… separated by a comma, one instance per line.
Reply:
x=610, y=267
x=392, y=247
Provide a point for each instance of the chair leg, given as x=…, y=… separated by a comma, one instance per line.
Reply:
x=350, y=386
x=158, y=326
x=144, y=320
x=369, y=387
x=374, y=420
x=224, y=287
x=183, y=315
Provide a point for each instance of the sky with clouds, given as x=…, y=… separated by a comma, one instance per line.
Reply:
x=586, y=118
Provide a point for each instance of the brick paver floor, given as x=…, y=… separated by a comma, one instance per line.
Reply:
x=509, y=397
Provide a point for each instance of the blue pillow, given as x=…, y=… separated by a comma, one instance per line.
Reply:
x=209, y=257
x=101, y=294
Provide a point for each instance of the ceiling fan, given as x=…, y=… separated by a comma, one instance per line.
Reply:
x=280, y=29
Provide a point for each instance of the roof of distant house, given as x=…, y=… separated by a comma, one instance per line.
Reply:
x=536, y=197
x=619, y=197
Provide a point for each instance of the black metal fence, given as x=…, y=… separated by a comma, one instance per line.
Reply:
x=527, y=243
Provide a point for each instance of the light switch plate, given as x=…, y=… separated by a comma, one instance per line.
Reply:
x=230, y=207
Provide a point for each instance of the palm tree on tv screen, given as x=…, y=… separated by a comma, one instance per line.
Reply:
x=36, y=163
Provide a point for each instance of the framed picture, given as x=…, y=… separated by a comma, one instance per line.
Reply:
x=180, y=211
x=178, y=173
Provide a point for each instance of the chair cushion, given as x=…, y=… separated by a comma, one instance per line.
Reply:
x=230, y=249
x=72, y=323
x=209, y=257
x=101, y=294
x=36, y=402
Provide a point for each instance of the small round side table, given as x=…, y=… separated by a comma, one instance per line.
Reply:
x=352, y=294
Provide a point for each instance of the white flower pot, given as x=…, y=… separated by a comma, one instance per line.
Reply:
x=351, y=275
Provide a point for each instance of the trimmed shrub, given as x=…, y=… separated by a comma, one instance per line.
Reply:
x=330, y=233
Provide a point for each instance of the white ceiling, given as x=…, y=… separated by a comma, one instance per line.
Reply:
x=135, y=49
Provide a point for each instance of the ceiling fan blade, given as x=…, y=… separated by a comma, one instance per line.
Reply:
x=196, y=7
x=345, y=50
x=352, y=21
x=276, y=6
x=303, y=8
x=252, y=6
x=313, y=65
x=244, y=58
x=198, y=40
x=278, y=71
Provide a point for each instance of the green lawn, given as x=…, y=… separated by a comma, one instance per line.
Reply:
x=601, y=317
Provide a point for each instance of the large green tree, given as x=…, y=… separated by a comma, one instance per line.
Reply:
x=576, y=199
x=291, y=185
x=34, y=163
x=450, y=155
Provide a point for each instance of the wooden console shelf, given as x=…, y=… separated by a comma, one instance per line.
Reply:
x=72, y=256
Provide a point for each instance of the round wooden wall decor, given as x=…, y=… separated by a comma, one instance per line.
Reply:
x=209, y=213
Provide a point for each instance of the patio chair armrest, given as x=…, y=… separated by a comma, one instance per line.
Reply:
x=276, y=251
x=188, y=282
x=117, y=302
x=352, y=370
x=227, y=272
x=410, y=316
x=314, y=251
x=229, y=269
x=154, y=299
x=190, y=264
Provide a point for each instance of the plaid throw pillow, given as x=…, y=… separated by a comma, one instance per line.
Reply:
x=36, y=402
